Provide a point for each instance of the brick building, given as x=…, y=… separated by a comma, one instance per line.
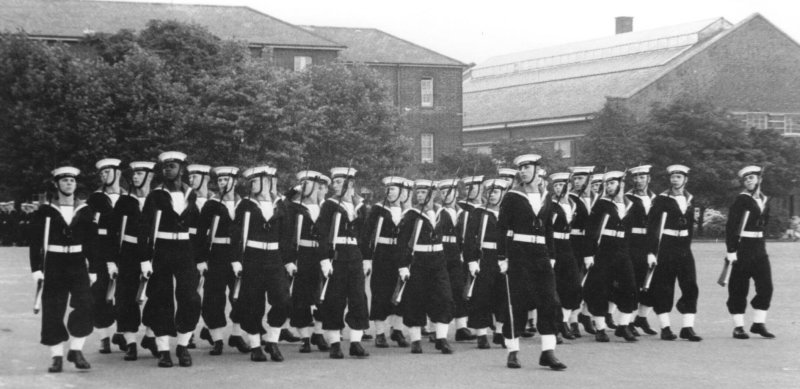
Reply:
x=751, y=68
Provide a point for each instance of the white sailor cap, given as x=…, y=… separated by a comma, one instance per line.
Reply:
x=581, y=170
x=65, y=171
x=307, y=175
x=346, y=172
x=408, y=184
x=496, y=183
x=323, y=179
x=423, y=184
x=746, y=171
x=222, y=171
x=198, y=169
x=108, y=163
x=472, y=180
x=142, y=165
x=678, y=169
x=596, y=178
x=505, y=172
x=541, y=172
x=644, y=169
x=265, y=171
x=559, y=177
x=613, y=175
x=447, y=183
x=527, y=159
x=169, y=156
x=393, y=180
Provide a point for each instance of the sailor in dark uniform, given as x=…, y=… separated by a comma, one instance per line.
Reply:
x=583, y=197
x=568, y=281
x=456, y=267
x=641, y=198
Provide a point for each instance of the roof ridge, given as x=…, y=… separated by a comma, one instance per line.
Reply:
x=295, y=26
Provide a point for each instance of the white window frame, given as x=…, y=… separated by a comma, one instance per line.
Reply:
x=301, y=62
x=426, y=142
x=426, y=92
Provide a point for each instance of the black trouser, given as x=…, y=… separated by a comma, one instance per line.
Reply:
x=65, y=278
x=173, y=258
x=457, y=272
x=305, y=290
x=752, y=262
x=487, y=294
x=129, y=314
x=104, y=314
x=611, y=279
x=346, y=290
x=427, y=294
x=568, y=281
x=638, y=250
x=675, y=261
x=532, y=284
x=577, y=242
x=382, y=283
x=263, y=274
x=218, y=278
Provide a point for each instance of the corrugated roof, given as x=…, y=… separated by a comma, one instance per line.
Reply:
x=73, y=18
x=369, y=45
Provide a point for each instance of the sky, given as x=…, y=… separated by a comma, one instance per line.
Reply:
x=471, y=31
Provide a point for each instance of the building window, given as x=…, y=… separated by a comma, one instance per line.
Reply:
x=426, y=86
x=564, y=146
x=756, y=120
x=300, y=63
x=786, y=123
x=426, y=141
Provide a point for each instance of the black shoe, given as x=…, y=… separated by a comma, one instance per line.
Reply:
x=274, y=352
x=105, y=346
x=305, y=345
x=217, y=349
x=357, y=350
x=530, y=330
x=398, y=337
x=688, y=334
x=738, y=333
x=483, y=342
x=642, y=323
x=149, y=343
x=761, y=329
x=131, y=353
x=601, y=336
x=191, y=344
x=239, y=343
x=184, y=359
x=257, y=355
x=416, y=347
x=498, y=339
x=366, y=336
x=288, y=336
x=512, y=362
x=336, y=351
x=424, y=331
x=205, y=334
x=57, y=366
x=319, y=341
x=588, y=326
x=548, y=359
x=432, y=338
x=633, y=330
x=443, y=346
x=625, y=332
x=666, y=334
x=76, y=357
x=380, y=341
x=576, y=330
x=566, y=332
x=463, y=334
x=119, y=340
x=610, y=321
x=164, y=359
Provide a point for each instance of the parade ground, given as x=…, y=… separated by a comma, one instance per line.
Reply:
x=719, y=361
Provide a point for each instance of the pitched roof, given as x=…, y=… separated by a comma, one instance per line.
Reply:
x=72, y=19
x=369, y=45
x=575, y=79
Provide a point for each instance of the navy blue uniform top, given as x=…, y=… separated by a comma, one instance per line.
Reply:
x=160, y=200
x=427, y=237
x=756, y=221
x=518, y=217
x=78, y=232
x=347, y=229
x=676, y=220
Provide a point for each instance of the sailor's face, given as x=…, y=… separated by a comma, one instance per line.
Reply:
x=611, y=187
x=139, y=177
x=526, y=172
x=224, y=183
x=677, y=180
x=558, y=186
x=256, y=184
x=107, y=176
x=195, y=180
x=67, y=185
x=495, y=195
x=421, y=195
x=596, y=187
x=449, y=195
x=751, y=181
x=640, y=181
x=578, y=181
x=338, y=184
x=392, y=193
x=171, y=170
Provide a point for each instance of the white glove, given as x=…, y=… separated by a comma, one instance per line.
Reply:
x=651, y=260
x=731, y=257
x=92, y=278
x=37, y=275
x=588, y=261
x=112, y=269
x=474, y=268
x=553, y=263
x=202, y=267
x=367, y=267
x=503, y=266
x=404, y=273
x=291, y=269
x=147, y=269
x=326, y=266
x=237, y=268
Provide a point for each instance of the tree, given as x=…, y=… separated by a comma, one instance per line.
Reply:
x=506, y=150
x=614, y=141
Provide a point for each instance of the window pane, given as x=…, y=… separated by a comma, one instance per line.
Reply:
x=426, y=86
x=426, y=141
x=565, y=146
x=300, y=63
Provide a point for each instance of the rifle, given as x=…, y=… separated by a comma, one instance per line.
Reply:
x=599, y=239
x=400, y=287
x=725, y=276
x=237, y=285
x=214, y=227
x=112, y=289
x=143, y=280
x=649, y=278
x=37, y=300
x=122, y=233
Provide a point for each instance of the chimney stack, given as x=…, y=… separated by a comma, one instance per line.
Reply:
x=624, y=24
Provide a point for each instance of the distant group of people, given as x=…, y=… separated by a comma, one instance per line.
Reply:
x=14, y=222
